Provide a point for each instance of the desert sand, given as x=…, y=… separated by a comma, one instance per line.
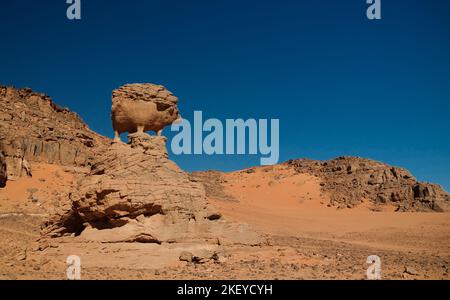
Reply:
x=284, y=203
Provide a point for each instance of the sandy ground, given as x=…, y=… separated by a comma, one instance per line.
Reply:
x=292, y=204
x=38, y=194
x=306, y=239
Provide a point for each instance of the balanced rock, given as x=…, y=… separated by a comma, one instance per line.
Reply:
x=142, y=107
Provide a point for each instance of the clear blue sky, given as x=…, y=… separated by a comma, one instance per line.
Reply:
x=339, y=83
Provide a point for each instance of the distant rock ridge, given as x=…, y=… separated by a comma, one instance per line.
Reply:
x=350, y=180
x=34, y=129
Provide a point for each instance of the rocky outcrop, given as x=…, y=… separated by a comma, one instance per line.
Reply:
x=134, y=193
x=3, y=173
x=350, y=180
x=142, y=107
x=34, y=129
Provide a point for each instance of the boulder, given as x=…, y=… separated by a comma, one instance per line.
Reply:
x=186, y=256
x=142, y=107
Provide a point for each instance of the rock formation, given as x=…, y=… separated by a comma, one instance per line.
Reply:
x=349, y=180
x=142, y=107
x=34, y=129
x=134, y=193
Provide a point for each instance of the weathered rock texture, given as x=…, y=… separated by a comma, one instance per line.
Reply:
x=349, y=180
x=142, y=107
x=134, y=193
x=213, y=182
x=3, y=173
x=34, y=129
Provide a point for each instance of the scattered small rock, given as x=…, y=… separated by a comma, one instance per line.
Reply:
x=214, y=216
x=186, y=256
x=411, y=271
x=22, y=256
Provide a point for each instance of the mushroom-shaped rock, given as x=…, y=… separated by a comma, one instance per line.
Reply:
x=142, y=107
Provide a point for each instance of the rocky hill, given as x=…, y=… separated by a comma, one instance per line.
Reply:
x=125, y=192
x=34, y=129
x=349, y=180
x=346, y=182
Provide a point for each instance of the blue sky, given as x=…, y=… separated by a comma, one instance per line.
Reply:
x=339, y=83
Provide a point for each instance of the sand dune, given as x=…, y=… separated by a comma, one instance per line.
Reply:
x=282, y=202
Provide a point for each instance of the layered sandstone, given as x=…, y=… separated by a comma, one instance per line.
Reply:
x=134, y=193
x=34, y=129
